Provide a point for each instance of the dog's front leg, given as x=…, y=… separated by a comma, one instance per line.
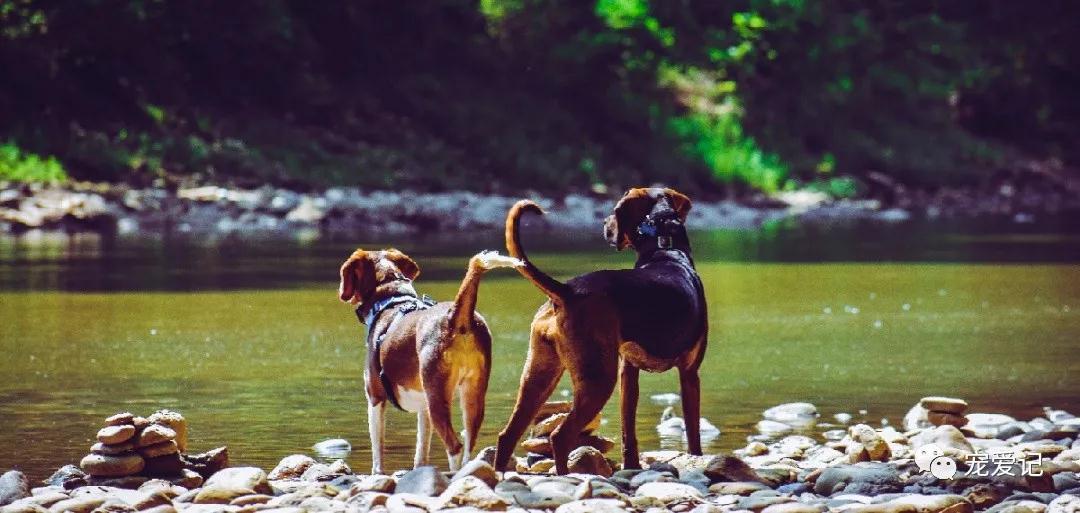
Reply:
x=423, y=438
x=690, y=386
x=629, y=399
x=376, y=421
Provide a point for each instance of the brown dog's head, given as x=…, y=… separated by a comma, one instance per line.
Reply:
x=364, y=271
x=620, y=228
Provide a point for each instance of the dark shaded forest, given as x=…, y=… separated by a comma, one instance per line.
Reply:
x=499, y=95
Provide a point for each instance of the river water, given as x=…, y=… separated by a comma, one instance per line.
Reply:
x=247, y=339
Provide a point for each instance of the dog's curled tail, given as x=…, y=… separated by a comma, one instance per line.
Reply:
x=465, y=302
x=554, y=289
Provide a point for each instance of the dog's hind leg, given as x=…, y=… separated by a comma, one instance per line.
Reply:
x=542, y=372
x=593, y=383
x=628, y=382
x=423, y=438
x=375, y=414
x=439, y=387
x=472, y=391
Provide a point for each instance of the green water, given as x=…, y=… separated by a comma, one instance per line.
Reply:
x=248, y=340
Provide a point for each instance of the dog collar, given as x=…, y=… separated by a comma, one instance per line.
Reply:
x=648, y=228
x=417, y=303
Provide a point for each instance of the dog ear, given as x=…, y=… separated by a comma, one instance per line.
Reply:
x=679, y=202
x=355, y=272
x=405, y=264
x=629, y=211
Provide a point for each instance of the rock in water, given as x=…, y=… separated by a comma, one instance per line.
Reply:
x=114, y=449
x=426, y=481
x=798, y=415
x=588, y=460
x=938, y=418
x=175, y=422
x=333, y=448
x=68, y=476
x=291, y=467
x=916, y=418
x=100, y=465
x=120, y=419
x=944, y=405
x=168, y=465
x=115, y=434
x=13, y=486
x=162, y=449
x=207, y=463
x=772, y=428
x=986, y=425
x=154, y=434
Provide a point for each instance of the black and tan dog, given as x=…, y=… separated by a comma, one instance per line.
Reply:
x=421, y=352
x=606, y=323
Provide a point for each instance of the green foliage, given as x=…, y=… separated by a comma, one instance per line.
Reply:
x=840, y=187
x=19, y=166
x=547, y=94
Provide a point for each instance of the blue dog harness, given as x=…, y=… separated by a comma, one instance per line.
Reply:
x=405, y=303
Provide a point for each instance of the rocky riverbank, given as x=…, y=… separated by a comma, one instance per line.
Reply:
x=270, y=210
x=811, y=466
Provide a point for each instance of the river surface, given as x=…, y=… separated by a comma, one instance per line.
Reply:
x=248, y=340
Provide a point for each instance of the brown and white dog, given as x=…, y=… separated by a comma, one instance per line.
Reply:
x=604, y=324
x=421, y=352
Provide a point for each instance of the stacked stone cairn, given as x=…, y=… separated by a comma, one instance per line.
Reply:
x=588, y=457
x=131, y=449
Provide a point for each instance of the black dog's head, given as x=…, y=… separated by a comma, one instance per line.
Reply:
x=649, y=218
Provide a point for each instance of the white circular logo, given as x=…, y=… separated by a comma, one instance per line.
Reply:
x=926, y=454
x=943, y=467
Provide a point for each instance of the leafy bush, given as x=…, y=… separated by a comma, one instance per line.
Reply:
x=17, y=165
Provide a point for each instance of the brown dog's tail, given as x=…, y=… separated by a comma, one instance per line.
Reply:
x=461, y=317
x=554, y=289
